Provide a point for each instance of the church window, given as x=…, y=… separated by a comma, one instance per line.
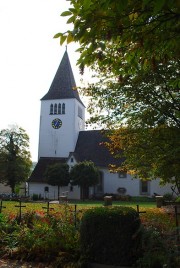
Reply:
x=63, y=108
x=79, y=112
x=51, y=108
x=46, y=189
x=144, y=187
x=59, y=108
x=99, y=186
x=71, y=188
x=55, y=108
x=72, y=159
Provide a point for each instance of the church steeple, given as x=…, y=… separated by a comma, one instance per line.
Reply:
x=62, y=114
x=63, y=85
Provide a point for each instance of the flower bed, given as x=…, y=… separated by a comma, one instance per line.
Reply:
x=54, y=236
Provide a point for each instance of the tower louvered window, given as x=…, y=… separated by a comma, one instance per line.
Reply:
x=63, y=108
x=51, y=108
x=59, y=108
x=55, y=108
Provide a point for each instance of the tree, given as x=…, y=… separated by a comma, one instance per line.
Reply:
x=126, y=44
x=84, y=174
x=15, y=159
x=149, y=153
x=136, y=66
x=111, y=32
x=57, y=175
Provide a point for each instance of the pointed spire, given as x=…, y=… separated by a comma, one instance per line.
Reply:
x=63, y=85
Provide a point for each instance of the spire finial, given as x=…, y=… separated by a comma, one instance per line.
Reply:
x=66, y=48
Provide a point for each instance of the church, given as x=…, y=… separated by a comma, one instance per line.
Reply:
x=63, y=139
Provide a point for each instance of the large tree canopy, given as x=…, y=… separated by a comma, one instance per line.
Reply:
x=15, y=158
x=84, y=174
x=57, y=175
x=133, y=49
x=149, y=153
x=107, y=29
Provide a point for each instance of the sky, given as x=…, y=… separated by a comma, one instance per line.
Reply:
x=29, y=58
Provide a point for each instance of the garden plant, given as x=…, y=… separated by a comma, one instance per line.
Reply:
x=55, y=236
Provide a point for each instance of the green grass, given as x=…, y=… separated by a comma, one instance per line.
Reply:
x=11, y=205
x=115, y=203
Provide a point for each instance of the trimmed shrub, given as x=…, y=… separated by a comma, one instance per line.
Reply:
x=177, y=199
x=168, y=197
x=35, y=197
x=111, y=235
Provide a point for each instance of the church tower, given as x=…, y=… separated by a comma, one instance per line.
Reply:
x=62, y=114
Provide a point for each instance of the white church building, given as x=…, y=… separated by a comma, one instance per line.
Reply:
x=63, y=139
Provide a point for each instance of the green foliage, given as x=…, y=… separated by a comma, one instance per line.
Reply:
x=159, y=234
x=140, y=27
x=39, y=236
x=57, y=175
x=153, y=241
x=136, y=67
x=178, y=199
x=110, y=236
x=35, y=197
x=142, y=199
x=168, y=197
x=149, y=153
x=15, y=159
x=84, y=174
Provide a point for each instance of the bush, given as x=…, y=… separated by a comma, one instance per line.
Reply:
x=167, y=197
x=110, y=235
x=142, y=199
x=35, y=197
x=177, y=199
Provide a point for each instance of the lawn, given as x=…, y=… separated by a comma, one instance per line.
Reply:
x=11, y=206
x=134, y=204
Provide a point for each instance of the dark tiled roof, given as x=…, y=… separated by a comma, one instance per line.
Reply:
x=38, y=172
x=63, y=85
x=90, y=147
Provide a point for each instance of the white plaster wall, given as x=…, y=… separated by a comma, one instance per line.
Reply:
x=161, y=190
x=38, y=188
x=112, y=182
x=59, y=142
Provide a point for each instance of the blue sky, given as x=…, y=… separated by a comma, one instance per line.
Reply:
x=29, y=58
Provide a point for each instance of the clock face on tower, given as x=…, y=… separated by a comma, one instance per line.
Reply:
x=56, y=123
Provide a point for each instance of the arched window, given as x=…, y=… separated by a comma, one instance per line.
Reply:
x=59, y=108
x=51, y=108
x=55, y=108
x=63, y=108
